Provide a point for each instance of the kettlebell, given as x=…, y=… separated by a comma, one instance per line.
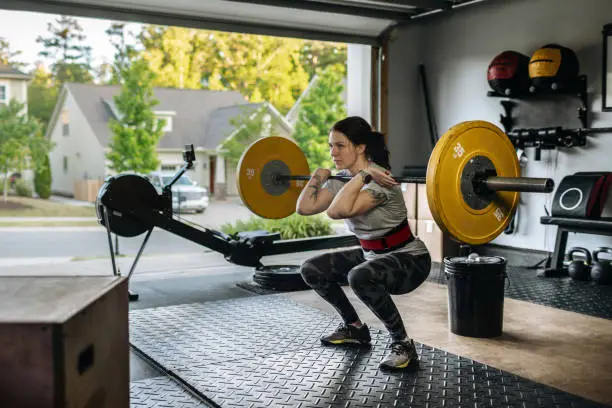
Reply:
x=601, y=271
x=579, y=269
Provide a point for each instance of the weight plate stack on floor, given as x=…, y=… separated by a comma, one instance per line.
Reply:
x=280, y=277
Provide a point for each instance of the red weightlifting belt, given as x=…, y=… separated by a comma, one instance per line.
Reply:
x=397, y=237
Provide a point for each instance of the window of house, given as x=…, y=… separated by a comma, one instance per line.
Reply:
x=166, y=116
x=65, y=164
x=65, y=123
x=168, y=125
x=3, y=93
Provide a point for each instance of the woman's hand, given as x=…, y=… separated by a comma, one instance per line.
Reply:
x=382, y=177
x=321, y=175
x=314, y=198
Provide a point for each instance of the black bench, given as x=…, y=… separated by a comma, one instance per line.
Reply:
x=566, y=225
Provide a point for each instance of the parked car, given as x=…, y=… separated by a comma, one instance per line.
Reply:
x=187, y=195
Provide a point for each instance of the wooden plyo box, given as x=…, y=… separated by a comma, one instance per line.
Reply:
x=64, y=342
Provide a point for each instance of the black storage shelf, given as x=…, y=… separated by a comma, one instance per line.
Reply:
x=577, y=88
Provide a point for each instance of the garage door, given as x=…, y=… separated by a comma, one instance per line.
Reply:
x=351, y=21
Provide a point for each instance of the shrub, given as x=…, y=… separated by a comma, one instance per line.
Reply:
x=293, y=227
x=42, y=180
x=22, y=189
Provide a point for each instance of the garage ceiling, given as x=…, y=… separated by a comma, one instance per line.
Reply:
x=352, y=21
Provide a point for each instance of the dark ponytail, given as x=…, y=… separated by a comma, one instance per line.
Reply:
x=376, y=150
x=359, y=131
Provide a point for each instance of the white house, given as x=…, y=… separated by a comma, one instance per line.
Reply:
x=13, y=85
x=79, y=127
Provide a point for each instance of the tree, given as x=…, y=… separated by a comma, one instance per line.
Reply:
x=259, y=67
x=42, y=96
x=65, y=46
x=42, y=179
x=249, y=126
x=136, y=133
x=316, y=56
x=178, y=56
x=7, y=55
x=124, y=52
x=20, y=139
x=319, y=110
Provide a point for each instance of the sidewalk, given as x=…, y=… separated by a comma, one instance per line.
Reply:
x=33, y=224
x=148, y=267
x=13, y=262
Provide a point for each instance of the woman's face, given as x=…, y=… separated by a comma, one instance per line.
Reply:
x=343, y=152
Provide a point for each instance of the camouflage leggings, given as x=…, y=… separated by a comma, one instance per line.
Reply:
x=373, y=281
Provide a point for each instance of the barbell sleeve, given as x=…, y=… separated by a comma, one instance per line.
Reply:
x=519, y=184
x=491, y=183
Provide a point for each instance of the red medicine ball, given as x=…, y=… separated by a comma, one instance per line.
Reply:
x=508, y=73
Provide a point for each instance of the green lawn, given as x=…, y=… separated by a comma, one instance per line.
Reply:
x=34, y=207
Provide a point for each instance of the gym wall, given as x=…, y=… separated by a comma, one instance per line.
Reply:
x=456, y=49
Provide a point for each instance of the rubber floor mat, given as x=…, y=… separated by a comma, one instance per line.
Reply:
x=264, y=351
x=161, y=392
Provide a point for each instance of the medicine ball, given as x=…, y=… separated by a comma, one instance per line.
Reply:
x=508, y=73
x=553, y=66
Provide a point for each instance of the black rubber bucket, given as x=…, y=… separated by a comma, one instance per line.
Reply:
x=476, y=295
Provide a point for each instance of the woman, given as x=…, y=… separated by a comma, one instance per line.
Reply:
x=391, y=259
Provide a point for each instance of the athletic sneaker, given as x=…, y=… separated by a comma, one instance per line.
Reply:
x=348, y=334
x=401, y=355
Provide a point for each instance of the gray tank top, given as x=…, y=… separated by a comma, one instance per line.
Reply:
x=381, y=219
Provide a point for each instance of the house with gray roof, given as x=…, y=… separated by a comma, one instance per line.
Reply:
x=13, y=85
x=79, y=127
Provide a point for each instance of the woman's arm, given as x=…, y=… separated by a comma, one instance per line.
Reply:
x=314, y=199
x=352, y=201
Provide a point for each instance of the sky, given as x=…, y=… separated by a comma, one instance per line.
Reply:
x=21, y=28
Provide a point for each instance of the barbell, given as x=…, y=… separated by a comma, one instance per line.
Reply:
x=472, y=180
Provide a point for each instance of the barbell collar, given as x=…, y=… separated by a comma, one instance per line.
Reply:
x=492, y=183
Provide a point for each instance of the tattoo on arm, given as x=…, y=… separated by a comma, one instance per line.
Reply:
x=379, y=197
x=315, y=193
x=316, y=186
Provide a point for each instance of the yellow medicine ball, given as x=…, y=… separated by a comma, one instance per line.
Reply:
x=553, y=65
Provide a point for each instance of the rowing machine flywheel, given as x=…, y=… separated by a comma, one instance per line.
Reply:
x=128, y=199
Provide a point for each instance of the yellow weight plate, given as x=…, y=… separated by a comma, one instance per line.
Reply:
x=257, y=163
x=459, y=147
